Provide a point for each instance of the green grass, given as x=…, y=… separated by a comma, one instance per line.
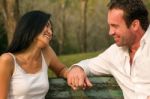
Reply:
x=68, y=60
x=74, y=58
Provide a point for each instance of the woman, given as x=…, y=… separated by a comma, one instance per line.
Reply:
x=23, y=68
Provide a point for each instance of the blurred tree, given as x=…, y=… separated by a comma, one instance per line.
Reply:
x=10, y=11
x=79, y=25
x=62, y=36
x=83, y=37
x=3, y=36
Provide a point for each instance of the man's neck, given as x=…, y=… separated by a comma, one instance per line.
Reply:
x=132, y=50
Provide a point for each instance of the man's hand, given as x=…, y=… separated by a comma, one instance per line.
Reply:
x=77, y=78
x=148, y=97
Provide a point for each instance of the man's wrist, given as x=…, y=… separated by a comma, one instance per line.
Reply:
x=75, y=66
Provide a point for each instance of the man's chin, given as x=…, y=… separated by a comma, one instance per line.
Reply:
x=119, y=45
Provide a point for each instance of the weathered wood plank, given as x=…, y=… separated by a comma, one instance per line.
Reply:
x=103, y=88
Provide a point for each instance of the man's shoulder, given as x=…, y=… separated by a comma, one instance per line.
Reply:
x=115, y=48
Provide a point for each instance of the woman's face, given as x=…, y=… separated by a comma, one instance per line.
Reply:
x=45, y=36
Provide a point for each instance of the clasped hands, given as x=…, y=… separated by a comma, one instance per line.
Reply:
x=77, y=79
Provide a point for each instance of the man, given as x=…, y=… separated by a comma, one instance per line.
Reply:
x=128, y=60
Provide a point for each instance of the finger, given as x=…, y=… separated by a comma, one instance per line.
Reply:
x=84, y=86
x=69, y=80
x=81, y=81
x=76, y=81
x=73, y=87
x=71, y=77
x=70, y=83
x=88, y=82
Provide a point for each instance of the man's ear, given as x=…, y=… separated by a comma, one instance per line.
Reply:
x=135, y=25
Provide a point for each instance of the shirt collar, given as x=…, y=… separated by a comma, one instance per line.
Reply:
x=125, y=50
x=146, y=37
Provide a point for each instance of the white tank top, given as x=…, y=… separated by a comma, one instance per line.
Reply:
x=28, y=86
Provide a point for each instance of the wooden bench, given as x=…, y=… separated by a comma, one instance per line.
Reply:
x=104, y=87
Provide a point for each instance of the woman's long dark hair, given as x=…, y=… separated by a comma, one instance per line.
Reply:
x=29, y=26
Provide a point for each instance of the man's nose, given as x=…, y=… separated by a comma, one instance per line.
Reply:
x=111, y=32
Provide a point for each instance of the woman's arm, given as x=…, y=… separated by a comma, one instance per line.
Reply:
x=6, y=70
x=54, y=63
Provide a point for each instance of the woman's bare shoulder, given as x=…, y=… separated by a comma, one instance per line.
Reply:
x=6, y=57
x=6, y=61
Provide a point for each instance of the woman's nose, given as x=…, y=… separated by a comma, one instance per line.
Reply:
x=49, y=30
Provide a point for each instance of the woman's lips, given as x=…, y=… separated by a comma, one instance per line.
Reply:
x=47, y=35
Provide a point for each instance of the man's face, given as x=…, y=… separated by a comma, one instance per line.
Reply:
x=122, y=35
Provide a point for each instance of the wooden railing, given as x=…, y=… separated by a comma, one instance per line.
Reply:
x=104, y=87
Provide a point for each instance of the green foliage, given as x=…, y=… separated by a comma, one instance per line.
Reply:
x=74, y=58
x=66, y=19
x=55, y=45
x=71, y=59
x=70, y=48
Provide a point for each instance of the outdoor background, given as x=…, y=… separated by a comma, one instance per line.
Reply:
x=80, y=26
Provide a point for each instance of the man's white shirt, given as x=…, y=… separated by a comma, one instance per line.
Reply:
x=134, y=79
